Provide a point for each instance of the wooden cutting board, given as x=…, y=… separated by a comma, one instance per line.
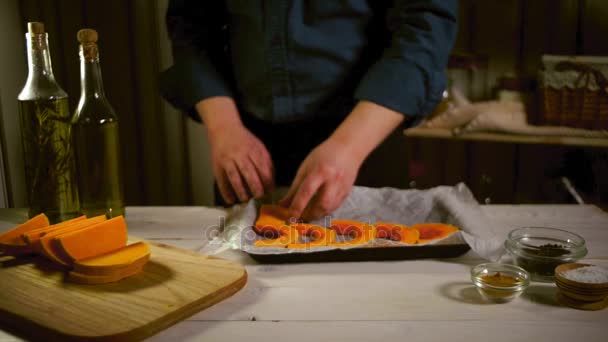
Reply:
x=36, y=301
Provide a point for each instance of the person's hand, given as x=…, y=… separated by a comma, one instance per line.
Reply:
x=241, y=163
x=324, y=179
x=328, y=173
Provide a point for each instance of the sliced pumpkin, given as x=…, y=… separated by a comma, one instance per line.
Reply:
x=87, y=279
x=31, y=236
x=320, y=236
x=45, y=245
x=433, y=231
x=287, y=236
x=92, y=241
x=270, y=219
x=360, y=232
x=396, y=232
x=134, y=255
x=11, y=242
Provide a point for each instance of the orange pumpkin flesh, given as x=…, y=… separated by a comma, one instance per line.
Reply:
x=287, y=235
x=396, y=232
x=321, y=236
x=11, y=242
x=360, y=231
x=271, y=219
x=433, y=231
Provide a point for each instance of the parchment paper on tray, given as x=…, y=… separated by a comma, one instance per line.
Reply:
x=446, y=204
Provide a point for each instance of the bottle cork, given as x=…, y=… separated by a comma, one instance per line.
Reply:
x=35, y=27
x=88, y=43
x=87, y=36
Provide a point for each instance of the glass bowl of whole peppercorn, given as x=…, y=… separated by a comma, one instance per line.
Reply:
x=539, y=250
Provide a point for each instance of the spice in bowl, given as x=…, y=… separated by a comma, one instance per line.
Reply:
x=499, y=283
x=582, y=286
x=588, y=274
x=540, y=250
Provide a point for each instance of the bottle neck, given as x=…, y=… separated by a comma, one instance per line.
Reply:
x=91, y=83
x=39, y=58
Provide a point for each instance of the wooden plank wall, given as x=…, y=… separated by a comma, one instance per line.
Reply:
x=131, y=61
x=513, y=34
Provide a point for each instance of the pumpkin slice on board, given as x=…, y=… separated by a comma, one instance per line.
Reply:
x=287, y=235
x=11, y=242
x=31, y=236
x=396, y=232
x=433, y=231
x=360, y=232
x=320, y=236
x=271, y=219
x=134, y=255
x=82, y=278
x=92, y=241
x=46, y=247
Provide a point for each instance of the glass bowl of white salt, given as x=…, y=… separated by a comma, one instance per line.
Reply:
x=582, y=282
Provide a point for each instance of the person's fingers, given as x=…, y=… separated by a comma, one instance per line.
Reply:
x=251, y=177
x=224, y=186
x=235, y=180
x=323, y=203
x=295, y=185
x=263, y=166
x=304, y=194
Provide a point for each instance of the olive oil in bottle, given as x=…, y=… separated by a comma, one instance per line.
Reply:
x=46, y=135
x=96, y=137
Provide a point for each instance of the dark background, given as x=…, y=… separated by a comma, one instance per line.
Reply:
x=157, y=149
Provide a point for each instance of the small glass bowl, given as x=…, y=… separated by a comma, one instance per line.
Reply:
x=499, y=293
x=540, y=250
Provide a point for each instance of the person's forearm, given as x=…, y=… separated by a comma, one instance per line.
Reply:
x=218, y=114
x=366, y=127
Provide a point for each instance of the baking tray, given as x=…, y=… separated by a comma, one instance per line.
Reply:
x=367, y=254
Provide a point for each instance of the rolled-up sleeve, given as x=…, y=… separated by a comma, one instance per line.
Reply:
x=410, y=76
x=196, y=32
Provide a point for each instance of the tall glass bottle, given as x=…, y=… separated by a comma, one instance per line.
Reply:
x=46, y=134
x=96, y=137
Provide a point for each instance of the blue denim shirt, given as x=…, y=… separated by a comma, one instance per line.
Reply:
x=284, y=60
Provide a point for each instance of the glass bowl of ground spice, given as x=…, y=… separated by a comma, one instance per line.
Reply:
x=499, y=283
x=539, y=250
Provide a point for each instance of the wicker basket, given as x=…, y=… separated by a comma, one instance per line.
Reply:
x=575, y=92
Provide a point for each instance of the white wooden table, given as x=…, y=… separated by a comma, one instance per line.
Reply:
x=418, y=300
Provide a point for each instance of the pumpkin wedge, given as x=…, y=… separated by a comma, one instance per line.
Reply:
x=45, y=245
x=82, y=278
x=270, y=219
x=287, y=235
x=321, y=236
x=11, y=242
x=31, y=236
x=92, y=241
x=136, y=254
x=360, y=231
x=433, y=231
x=396, y=232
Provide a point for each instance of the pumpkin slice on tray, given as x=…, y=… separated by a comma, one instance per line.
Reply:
x=433, y=231
x=11, y=242
x=320, y=236
x=46, y=246
x=286, y=235
x=96, y=240
x=396, y=232
x=131, y=256
x=270, y=219
x=360, y=232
